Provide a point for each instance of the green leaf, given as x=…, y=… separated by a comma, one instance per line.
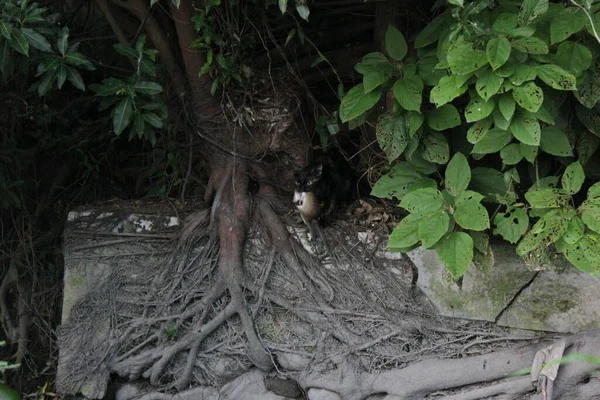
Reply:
x=529, y=152
x=497, y=52
x=505, y=23
x=586, y=147
x=544, y=197
x=511, y=225
x=405, y=234
x=555, y=142
x=488, y=182
x=76, y=59
x=282, y=5
x=590, y=215
x=373, y=80
x=6, y=393
x=395, y=44
x=444, y=117
x=415, y=120
x=478, y=130
x=488, y=84
x=432, y=31
x=526, y=129
x=432, y=227
x=126, y=50
x=573, y=57
x=529, y=96
x=523, y=74
x=392, y=134
x=423, y=201
x=373, y=62
x=470, y=214
x=549, y=228
x=507, y=105
x=575, y=231
x=36, y=40
x=356, y=102
x=122, y=115
x=556, y=77
x=531, y=10
x=436, y=149
x=19, y=42
x=464, y=59
x=492, y=142
x=583, y=255
x=153, y=120
x=138, y=123
x=573, y=178
x=46, y=82
x=458, y=174
x=569, y=21
x=5, y=29
x=511, y=154
x=593, y=194
x=408, y=90
x=456, y=252
x=530, y=45
x=303, y=11
x=75, y=78
x=468, y=195
x=63, y=40
x=61, y=76
x=590, y=118
x=399, y=181
x=147, y=87
x=447, y=89
x=478, y=109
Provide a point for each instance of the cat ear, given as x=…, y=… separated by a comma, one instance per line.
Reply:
x=318, y=170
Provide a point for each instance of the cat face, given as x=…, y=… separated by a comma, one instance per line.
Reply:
x=306, y=179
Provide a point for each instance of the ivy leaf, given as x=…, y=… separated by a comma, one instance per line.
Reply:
x=531, y=10
x=573, y=178
x=470, y=214
x=488, y=84
x=565, y=23
x=555, y=142
x=573, y=57
x=556, y=77
x=456, y=252
x=531, y=45
x=458, y=174
x=405, y=234
x=478, y=130
x=575, y=231
x=529, y=96
x=526, y=129
x=492, y=142
x=447, y=89
x=423, y=201
x=356, y=102
x=122, y=115
x=498, y=51
x=511, y=154
x=511, y=225
x=432, y=227
x=444, y=117
x=36, y=40
x=436, y=148
x=408, y=90
x=148, y=87
x=401, y=180
x=464, y=59
x=395, y=44
x=478, y=109
x=392, y=134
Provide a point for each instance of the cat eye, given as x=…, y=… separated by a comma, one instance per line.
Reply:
x=297, y=183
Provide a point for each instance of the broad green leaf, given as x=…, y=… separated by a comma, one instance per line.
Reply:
x=544, y=197
x=125, y=50
x=408, y=90
x=529, y=96
x=511, y=225
x=499, y=121
x=36, y=40
x=395, y=44
x=511, y=154
x=109, y=87
x=492, y=142
x=575, y=231
x=405, y=234
x=470, y=214
x=506, y=71
x=392, y=134
x=75, y=78
x=459, y=3
x=463, y=58
x=432, y=31
x=423, y=201
x=61, y=76
x=507, y=105
x=153, y=120
x=458, y=174
x=555, y=142
x=63, y=40
x=400, y=180
x=5, y=29
x=147, y=87
x=583, y=255
x=505, y=23
x=478, y=130
x=590, y=215
x=588, y=93
x=586, y=147
x=432, y=227
x=138, y=123
x=531, y=10
x=523, y=74
x=556, y=77
x=456, y=252
x=590, y=118
x=356, y=102
x=526, y=130
x=468, y=195
x=415, y=121
x=498, y=51
x=569, y=21
x=373, y=62
x=573, y=178
x=593, y=194
x=6, y=393
x=76, y=59
x=489, y=182
x=444, y=117
x=46, y=82
x=122, y=115
x=549, y=228
x=19, y=42
x=303, y=11
x=478, y=109
x=282, y=5
x=529, y=152
x=436, y=149
x=573, y=57
x=488, y=84
x=447, y=89
x=531, y=45
x=373, y=80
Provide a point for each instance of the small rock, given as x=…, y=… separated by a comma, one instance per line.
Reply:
x=283, y=387
x=249, y=386
x=322, y=394
x=292, y=362
x=127, y=392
